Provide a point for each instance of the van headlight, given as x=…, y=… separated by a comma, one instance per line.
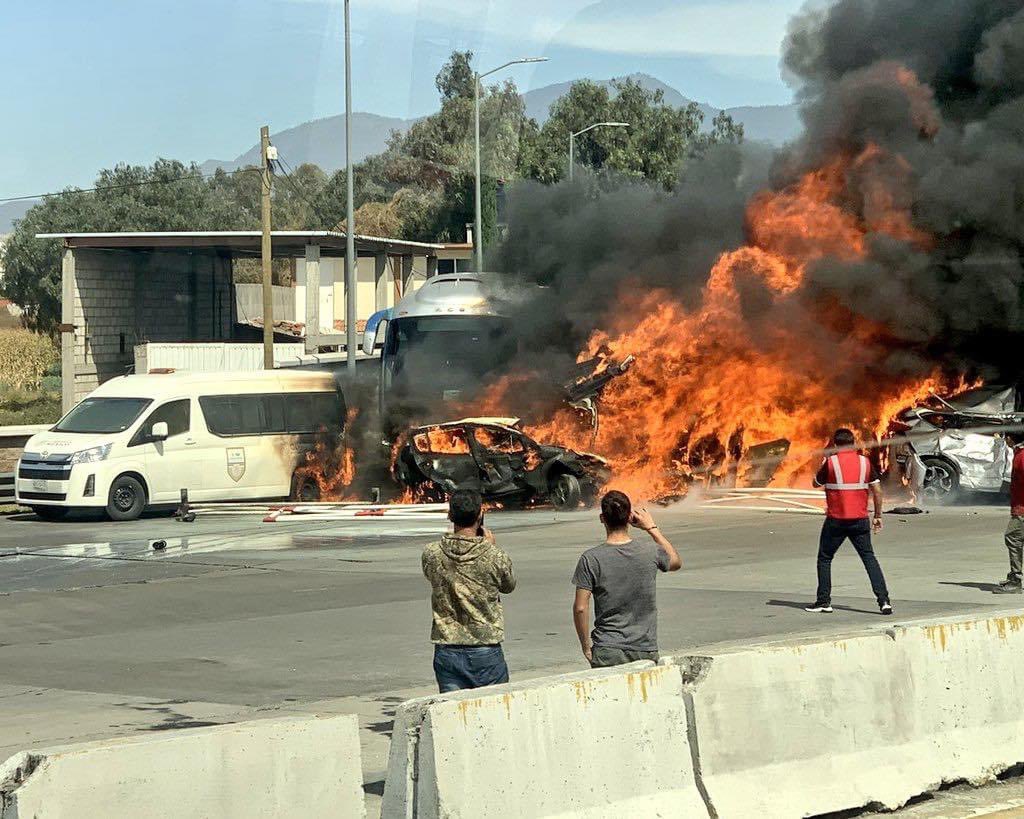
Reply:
x=91, y=455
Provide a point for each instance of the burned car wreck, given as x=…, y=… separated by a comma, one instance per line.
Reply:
x=495, y=457
x=944, y=446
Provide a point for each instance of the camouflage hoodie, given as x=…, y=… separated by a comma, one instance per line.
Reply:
x=466, y=575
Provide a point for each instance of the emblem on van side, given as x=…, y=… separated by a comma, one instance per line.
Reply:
x=236, y=463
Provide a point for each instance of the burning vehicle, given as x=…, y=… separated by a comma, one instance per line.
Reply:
x=495, y=457
x=959, y=441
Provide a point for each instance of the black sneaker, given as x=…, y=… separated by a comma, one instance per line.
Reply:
x=819, y=608
x=885, y=608
x=1008, y=587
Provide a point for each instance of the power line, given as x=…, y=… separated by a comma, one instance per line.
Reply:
x=126, y=185
x=285, y=167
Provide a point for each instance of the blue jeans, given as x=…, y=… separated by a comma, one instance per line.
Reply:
x=458, y=667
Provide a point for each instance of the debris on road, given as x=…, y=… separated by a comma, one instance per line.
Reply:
x=766, y=499
x=322, y=511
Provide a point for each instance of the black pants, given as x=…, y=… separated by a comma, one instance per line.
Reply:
x=833, y=533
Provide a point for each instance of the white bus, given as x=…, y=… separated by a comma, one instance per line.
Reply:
x=138, y=440
x=439, y=344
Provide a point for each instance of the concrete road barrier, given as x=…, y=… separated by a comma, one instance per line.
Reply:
x=789, y=730
x=602, y=743
x=297, y=767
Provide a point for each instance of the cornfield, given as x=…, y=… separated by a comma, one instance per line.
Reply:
x=24, y=358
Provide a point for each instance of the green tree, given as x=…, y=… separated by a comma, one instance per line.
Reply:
x=168, y=195
x=430, y=167
x=455, y=79
x=656, y=144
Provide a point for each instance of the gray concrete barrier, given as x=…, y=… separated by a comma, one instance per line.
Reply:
x=783, y=729
x=802, y=728
x=605, y=743
x=297, y=767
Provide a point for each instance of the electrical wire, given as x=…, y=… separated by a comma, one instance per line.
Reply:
x=126, y=185
x=284, y=167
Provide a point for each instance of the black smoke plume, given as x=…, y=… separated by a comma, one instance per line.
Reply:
x=938, y=84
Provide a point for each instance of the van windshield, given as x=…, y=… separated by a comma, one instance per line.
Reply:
x=103, y=415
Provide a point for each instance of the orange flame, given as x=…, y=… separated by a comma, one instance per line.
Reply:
x=710, y=381
x=333, y=467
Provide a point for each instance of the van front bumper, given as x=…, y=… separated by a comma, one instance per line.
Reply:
x=44, y=485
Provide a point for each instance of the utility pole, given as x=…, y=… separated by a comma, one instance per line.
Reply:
x=350, y=219
x=266, y=252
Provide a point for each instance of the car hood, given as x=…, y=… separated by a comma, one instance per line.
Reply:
x=63, y=443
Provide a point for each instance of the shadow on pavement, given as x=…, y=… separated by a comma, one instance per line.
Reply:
x=985, y=587
x=792, y=604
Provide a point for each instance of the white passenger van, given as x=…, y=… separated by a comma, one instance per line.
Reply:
x=138, y=440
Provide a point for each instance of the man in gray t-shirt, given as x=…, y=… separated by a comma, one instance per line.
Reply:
x=620, y=576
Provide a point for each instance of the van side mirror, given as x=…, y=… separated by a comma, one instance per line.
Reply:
x=159, y=431
x=372, y=340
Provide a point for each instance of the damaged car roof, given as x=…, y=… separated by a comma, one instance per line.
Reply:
x=498, y=421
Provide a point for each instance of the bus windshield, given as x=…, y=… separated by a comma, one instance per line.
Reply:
x=442, y=358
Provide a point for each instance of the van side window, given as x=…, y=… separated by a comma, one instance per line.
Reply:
x=176, y=414
x=272, y=414
x=298, y=413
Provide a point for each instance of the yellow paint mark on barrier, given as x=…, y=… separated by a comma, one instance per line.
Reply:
x=464, y=708
x=507, y=699
x=645, y=678
x=941, y=636
x=582, y=695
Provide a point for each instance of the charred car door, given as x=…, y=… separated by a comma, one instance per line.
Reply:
x=443, y=456
x=500, y=455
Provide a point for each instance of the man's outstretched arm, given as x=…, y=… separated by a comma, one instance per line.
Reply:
x=581, y=619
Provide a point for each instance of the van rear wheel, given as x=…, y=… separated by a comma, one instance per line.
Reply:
x=306, y=489
x=127, y=499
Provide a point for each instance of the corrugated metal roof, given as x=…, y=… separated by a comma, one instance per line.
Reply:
x=329, y=240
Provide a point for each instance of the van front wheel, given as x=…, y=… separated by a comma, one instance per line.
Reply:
x=127, y=499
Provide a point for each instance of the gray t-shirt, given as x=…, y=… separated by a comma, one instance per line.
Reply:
x=622, y=581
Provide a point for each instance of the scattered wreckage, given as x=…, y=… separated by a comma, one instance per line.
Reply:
x=944, y=446
x=495, y=457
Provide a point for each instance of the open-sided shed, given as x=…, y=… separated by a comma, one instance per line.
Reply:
x=120, y=289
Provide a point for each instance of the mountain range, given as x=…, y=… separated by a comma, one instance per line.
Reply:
x=322, y=141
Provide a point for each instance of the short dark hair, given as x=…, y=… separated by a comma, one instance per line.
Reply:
x=616, y=509
x=843, y=437
x=464, y=507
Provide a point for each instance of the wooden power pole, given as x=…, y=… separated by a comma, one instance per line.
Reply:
x=266, y=252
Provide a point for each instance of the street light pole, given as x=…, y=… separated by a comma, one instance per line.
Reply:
x=350, y=224
x=478, y=232
x=572, y=139
x=478, y=219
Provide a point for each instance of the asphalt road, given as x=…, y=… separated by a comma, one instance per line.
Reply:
x=101, y=635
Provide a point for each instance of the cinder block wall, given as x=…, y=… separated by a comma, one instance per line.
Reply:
x=124, y=297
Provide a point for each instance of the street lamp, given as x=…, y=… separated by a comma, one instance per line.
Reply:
x=572, y=138
x=350, y=224
x=478, y=234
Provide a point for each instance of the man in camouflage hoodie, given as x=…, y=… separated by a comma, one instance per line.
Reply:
x=467, y=573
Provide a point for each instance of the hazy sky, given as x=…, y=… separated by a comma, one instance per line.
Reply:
x=89, y=84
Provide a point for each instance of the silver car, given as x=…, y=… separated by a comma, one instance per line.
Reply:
x=944, y=446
